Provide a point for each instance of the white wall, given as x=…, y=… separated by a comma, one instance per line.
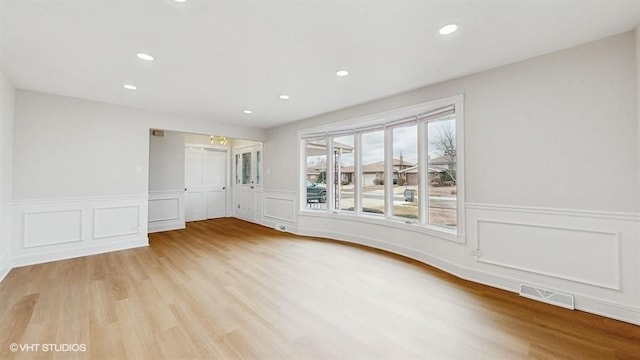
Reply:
x=67, y=147
x=81, y=168
x=552, y=175
x=637, y=35
x=7, y=94
x=166, y=162
x=560, y=122
x=197, y=139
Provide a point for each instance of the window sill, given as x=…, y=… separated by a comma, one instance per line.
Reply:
x=431, y=230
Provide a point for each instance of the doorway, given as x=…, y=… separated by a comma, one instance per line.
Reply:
x=193, y=177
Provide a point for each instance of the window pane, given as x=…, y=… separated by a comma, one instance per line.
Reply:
x=316, y=187
x=373, y=172
x=246, y=168
x=405, y=172
x=344, y=172
x=258, y=167
x=442, y=172
x=237, y=172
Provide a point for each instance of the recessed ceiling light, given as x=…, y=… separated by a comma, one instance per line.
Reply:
x=284, y=97
x=130, y=87
x=247, y=111
x=144, y=56
x=342, y=73
x=448, y=29
x=180, y=1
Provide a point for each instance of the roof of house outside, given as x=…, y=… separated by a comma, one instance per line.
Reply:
x=378, y=166
x=435, y=165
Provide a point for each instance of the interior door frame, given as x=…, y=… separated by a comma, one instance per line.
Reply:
x=256, y=185
x=228, y=151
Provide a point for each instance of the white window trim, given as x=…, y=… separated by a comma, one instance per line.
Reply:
x=377, y=120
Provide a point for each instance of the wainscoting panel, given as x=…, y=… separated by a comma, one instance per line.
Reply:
x=54, y=229
x=577, y=251
x=279, y=208
x=166, y=210
x=116, y=221
x=580, y=255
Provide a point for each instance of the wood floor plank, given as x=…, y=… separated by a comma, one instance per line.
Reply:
x=228, y=289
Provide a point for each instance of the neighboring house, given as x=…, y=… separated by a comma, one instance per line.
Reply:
x=435, y=167
x=314, y=172
x=440, y=165
x=375, y=171
x=401, y=170
x=318, y=149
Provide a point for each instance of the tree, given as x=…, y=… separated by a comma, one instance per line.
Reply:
x=445, y=142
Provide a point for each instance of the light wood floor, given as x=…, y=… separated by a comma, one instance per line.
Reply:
x=227, y=289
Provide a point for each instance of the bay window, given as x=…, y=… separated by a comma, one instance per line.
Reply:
x=402, y=166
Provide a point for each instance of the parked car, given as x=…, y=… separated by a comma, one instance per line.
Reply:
x=316, y=192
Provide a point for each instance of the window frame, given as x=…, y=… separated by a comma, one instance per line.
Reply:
x=303, y=173
x=331, y=151
x=388, y=120
x=389, y=168
x=359, y=134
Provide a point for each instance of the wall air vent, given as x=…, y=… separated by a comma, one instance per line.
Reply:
x=157, y=132
x=547, y=296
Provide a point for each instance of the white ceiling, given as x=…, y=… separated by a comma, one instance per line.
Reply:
x=215, y=58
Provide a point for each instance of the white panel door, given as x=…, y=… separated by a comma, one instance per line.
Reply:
x=194, y=199
x=205, y=182
x=214, y=181
x=247, y=182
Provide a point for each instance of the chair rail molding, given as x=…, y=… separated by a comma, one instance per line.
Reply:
x=626, y=216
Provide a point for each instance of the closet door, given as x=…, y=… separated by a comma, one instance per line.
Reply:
x=205, y=183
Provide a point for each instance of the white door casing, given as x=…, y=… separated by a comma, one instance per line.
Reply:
x=247, y=182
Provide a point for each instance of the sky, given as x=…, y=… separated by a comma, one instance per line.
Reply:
x=404, y=141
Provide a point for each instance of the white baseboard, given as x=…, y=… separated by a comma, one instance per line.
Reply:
x=630, y=314
x=166, y=226
x=26, y=260
x=291, y=227
x=395, y=248
x=584, y=303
